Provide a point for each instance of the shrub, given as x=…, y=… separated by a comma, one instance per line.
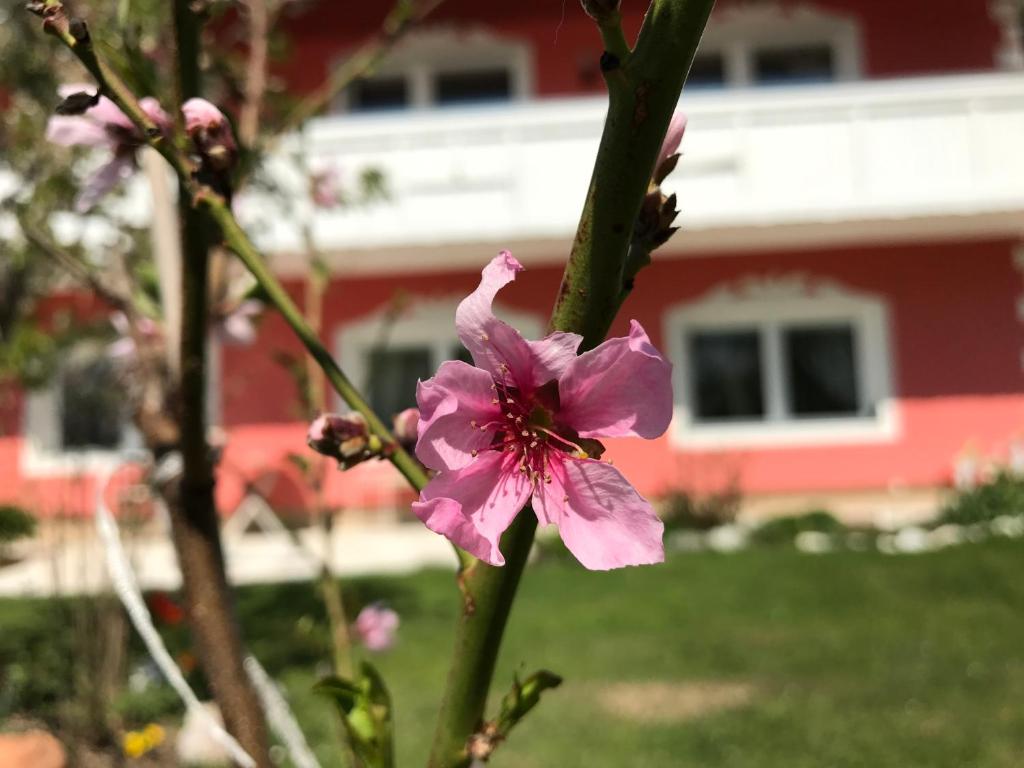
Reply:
x=15, y=523
x=1002, y=495
x=781, y=531
x=682, y=510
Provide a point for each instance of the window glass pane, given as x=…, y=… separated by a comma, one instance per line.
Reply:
x=473, y=87
x=726, y=375
x=91, y=403
x=800, y=64
x=708, y=71
x=378, y=93
x=821, y=370
x=393, y=377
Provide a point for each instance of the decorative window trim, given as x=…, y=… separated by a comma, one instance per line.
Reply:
x=768, y=304
x=42, y=452
x=428, y=322
x=737, y=32
x=424, y=54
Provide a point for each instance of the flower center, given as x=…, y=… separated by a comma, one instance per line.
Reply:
x=528, y=432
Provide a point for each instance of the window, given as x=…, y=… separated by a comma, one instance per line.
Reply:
x=378, y=94
x=707, y=71
x=473, y=87
x=794, y=64
x=387, y=356
x=444, y=68
x=781, y=361
x=91, y=404
x=765, y=45
x=79, y=421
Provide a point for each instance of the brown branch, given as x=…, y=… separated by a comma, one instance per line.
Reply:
x=256, y=72
x=190, y=500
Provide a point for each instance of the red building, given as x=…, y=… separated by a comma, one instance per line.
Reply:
x=843, y=305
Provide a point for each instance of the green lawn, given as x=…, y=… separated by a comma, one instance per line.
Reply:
x=765, y=659
x=848, y=659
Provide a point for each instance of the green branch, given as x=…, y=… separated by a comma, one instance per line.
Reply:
x=643, y=92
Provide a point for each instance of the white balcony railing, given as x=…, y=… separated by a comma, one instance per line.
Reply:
x=802, y=159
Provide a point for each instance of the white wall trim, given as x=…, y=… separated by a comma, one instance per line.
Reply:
x=427, y=322
x=768, y=303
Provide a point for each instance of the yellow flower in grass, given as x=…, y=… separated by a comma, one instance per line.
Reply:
x=138, y=743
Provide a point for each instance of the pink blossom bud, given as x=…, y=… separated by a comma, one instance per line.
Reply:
x=668, y=156
x=210, y=132
x=341, y=436
x=325, y=188
x=375, y=626
x=405, y=426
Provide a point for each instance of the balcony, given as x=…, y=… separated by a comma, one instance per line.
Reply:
x=911, y=158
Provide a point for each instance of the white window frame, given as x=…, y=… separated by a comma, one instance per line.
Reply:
x=738, y=33
x=42, y=453
x=428, y=323
x=769, y=306
x=425, y=54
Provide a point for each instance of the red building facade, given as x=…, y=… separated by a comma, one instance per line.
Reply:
x=842, y=305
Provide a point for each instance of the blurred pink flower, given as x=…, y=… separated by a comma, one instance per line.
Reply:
x=325, y=187
x=238, y=327
x=124, y=347
x=103, y=126
x=521, y=424
x=210, y=131
x=341, y=436
x=406, y=424
x=375, y=627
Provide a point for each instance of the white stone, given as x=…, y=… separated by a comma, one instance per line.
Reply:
x=948, y=535
x=813, y=542
x=911, y=540
x=727, y=538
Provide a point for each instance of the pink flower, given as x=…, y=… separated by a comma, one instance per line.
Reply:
x=325, y=187
x=342, y=436
x=521, y=426
x=124, y=347
x=376, y=626
x=103, y=126
x=406, y=426
x=673, y=138
x=238, y=327
x=210, y=131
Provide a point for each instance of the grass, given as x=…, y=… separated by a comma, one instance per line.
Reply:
x=847, y=659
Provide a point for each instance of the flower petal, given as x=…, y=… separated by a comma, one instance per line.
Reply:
x=622, y=388
x=102, y=180
x=601, y=518
x=449, y=404
x=673, y=137
x=107, y=112
x=156, y=113
x=474, y=505
x=499, y=348
x=71, y=131
x=552, y=355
